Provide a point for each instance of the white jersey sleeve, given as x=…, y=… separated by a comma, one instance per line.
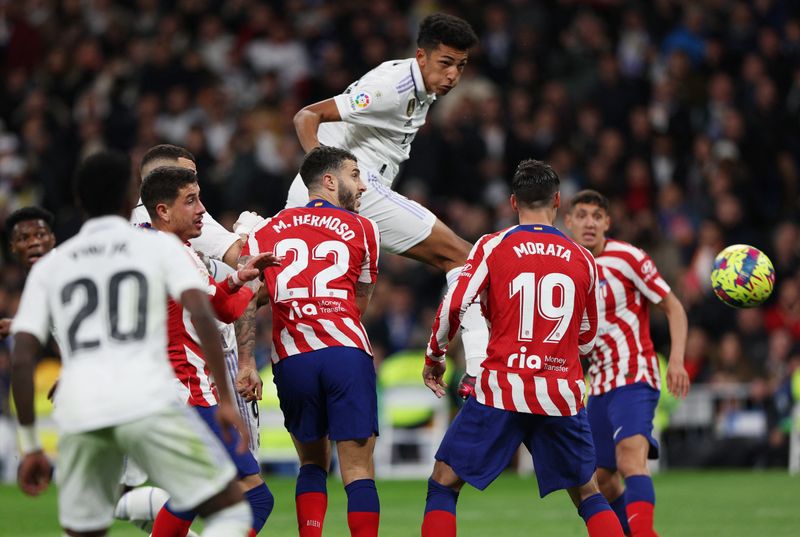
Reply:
x=371, y=103
x=213, y=242
x=33, y=315
x=180, y=272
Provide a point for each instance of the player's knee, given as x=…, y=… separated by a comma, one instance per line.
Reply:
x=251, y=481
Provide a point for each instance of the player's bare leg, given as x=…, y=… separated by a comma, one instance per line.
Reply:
x=594, y=509
x=358, y=475
x=447, y=251
x=311, y=493
x=640, y=497
x=611, y=486
x=440, y=507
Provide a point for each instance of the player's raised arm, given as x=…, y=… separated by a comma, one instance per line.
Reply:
x=307, y=121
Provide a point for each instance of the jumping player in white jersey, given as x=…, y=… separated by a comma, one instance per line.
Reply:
x=104, y=292
x=377, y=118
x=624, y=377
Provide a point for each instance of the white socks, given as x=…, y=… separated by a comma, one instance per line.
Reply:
x=474, y=332
x=140, y=506
x=233, y=521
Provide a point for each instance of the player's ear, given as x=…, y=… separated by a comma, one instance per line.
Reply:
x=514, y=204
x=557, y=200
x=329, y=182
x=162, y=211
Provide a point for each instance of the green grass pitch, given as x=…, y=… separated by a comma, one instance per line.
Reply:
x=707, y=504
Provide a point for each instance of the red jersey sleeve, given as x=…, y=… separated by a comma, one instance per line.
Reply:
x=470, y=284
x=372, y=241
x=228, y=304
x=589, y=321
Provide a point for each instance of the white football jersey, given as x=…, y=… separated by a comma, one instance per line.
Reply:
x=381, y=114
x=214, y=241
x=105, y=293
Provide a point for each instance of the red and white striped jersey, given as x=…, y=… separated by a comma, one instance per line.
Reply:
x=538, y=293
x=624, y=352
x=196, y=387
x=327, y=251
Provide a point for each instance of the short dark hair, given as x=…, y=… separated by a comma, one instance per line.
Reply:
x=26, y=214
x=103, y=183
x=166, y=152
x=534, y=183
x=589, y=197
x=162, y=186
x=443, y=29
x=322, y=160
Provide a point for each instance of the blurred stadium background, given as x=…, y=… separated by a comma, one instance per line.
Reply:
x=685, y=113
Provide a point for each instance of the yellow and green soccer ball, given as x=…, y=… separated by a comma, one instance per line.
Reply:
x=743, y=276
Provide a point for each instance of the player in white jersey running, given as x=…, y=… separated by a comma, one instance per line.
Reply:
x=105, y=293
x=624, y=377
x=377, y=118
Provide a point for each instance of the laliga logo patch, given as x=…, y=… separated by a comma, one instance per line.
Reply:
x=412, y=104
x=362, y=100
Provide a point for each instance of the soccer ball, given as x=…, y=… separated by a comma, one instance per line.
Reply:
x=743, y=276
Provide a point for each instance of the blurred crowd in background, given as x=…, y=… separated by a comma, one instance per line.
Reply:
x=686, y=114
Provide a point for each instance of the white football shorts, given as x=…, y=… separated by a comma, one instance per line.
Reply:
x=403, y=223
x=175, y=447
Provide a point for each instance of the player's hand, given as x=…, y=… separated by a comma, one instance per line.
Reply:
x=433, y=376
x=5, y=328
x=249, y=384
x=466, y=386
x=34, y=473
x=677, y=380
x=51, y=393
x=227, y=417
x=245, y=224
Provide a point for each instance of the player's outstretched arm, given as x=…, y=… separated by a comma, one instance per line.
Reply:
x=197, y=304
x=35, y=469
x=677, y=377
x=307, y=121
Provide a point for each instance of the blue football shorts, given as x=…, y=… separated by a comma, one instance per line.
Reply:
x=619, y=414
x=328, y=392
x=245, y=463
x=482, y=440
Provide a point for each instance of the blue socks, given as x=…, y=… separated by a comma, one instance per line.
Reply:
x=312, y=478
x=618, y=506
x=440, y=498
x=362, y=497
x=261, y=503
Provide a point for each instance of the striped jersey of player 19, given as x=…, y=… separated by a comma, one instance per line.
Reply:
x=624, y=353
x=328, y=251
x=538, y=292
x=105, y=292
x=193, y=377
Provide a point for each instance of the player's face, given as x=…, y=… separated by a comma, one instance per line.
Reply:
x=588, y=225
x=30, y=240
x=186, y=213
x=350, y=186
x=441, y=68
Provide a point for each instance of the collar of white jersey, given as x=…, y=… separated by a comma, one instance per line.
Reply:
x=103, y=222
x=419, y=84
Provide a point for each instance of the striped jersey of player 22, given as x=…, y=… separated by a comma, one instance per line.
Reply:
x=538, y=292
x=624, y=353
x=326, y=251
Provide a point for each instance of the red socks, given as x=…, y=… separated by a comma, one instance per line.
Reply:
x=640, y=519
x=363, y=524
x=311, y=507
x=439, y=524
x=604, y=524
x=167, y=524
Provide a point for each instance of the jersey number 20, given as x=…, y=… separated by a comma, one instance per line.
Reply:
x=90, y=291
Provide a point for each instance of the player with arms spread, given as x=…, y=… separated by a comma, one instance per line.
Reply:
x=172, y=198
x=105, y=292
x=625, y=381
x=539, y=296
x=377, y=118
x=322, y=358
